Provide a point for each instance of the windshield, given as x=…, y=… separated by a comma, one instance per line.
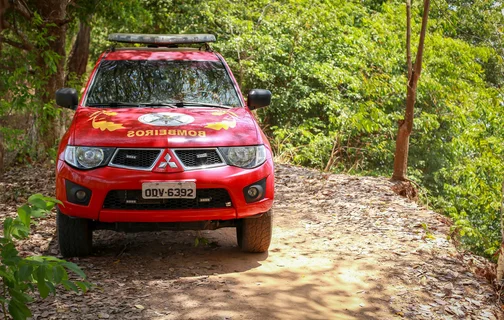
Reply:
x=129, y=82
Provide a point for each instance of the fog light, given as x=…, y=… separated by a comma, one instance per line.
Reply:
x=81, y=195
x=253, y=192
x=77, y=194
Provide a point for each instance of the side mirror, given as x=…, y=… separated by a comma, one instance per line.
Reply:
x=258, y=98
x=67, y=98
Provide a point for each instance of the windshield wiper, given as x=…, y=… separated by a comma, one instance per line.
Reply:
x=182, y=104
x=157, y=104
x=113, y=104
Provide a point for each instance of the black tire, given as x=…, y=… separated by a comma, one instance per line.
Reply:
x=254, y=234
x=75, y=236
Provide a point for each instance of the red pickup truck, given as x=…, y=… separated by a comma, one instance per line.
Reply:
x=162, y=139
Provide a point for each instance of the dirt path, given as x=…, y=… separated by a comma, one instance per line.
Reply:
x=344, y=247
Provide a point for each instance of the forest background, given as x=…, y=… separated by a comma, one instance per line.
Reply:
x=337, y=71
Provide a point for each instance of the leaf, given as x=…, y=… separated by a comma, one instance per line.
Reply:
x=8, y=253
x=20, y=296
x=18, y=310
x=25, y=272
x=7, y=227
x=24, y=214
x=41, y=283
x=35, y=197
x=59, y=274
x=38, y=203
x=51, y=287
x=69, y=285
x=6, y=275
x=38, y=213
x=72, y=266
x=84, y=286
x=19, y=230
x=35, y=260
x=45, y=259
x=51, y=202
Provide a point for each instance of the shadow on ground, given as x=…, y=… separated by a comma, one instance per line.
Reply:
x=166, y=275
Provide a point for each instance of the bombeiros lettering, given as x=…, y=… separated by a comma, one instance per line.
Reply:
x=155, y=133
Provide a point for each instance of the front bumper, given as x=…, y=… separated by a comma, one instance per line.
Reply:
x=102, y=180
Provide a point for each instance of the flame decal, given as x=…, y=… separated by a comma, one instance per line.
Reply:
x=224, y=124
x=101, y=123
x=224, y=113
x=229, y=120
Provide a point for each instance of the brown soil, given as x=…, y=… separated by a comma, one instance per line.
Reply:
x=344, y=247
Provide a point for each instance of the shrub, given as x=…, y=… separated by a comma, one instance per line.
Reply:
x=22, y=277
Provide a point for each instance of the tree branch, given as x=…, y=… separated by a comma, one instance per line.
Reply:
x=4, y=6
x=21, y=7
x=263, y=13
x=8, y=68
x=61, y=22
x=419, y=57
x=417, y=69
x=408, y=38
x=27, y=45
x=19, y=45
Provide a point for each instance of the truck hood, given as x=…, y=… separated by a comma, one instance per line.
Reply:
x=163, y=127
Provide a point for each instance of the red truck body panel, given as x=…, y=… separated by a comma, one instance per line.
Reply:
x=167, y=129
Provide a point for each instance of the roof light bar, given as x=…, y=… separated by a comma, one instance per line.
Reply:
x=161, y=39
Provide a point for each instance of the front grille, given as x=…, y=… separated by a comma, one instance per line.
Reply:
x=132, y=200
x=196, y=158
x=135, y=158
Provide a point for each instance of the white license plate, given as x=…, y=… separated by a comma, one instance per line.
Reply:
x=169, y=190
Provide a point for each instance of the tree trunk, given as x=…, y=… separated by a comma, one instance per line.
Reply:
x=78, y=59
x=1, y=154
x=405, y=129
x=4, y=5
x=48, y=126
x=414, y=71
x=500, y=262
x=401, y=153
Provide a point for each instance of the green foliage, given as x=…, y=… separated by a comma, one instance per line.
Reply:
x=25, y=75
x=337, y=72
x=311, y=148
x=22, y=276
x=200, y=241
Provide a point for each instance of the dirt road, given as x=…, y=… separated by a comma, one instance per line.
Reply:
x=344, y=247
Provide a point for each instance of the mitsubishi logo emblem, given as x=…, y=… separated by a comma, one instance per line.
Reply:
x=172, y=164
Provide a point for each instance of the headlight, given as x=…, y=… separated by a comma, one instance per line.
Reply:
x=87, y=157
x=244, y=157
